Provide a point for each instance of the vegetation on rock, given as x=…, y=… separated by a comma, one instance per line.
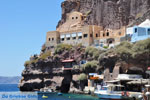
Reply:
x=61, y=47
x=82, y=77
x=30, y=62
x=90, y=67
x=45, y=55
x=128, y=56
x=141, y=47
x=124, y=50
x=34, y=59
x=92, y=52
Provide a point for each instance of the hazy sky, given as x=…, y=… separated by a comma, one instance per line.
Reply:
x=23, y=27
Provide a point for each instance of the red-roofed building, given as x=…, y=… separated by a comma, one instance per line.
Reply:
x=68, y=64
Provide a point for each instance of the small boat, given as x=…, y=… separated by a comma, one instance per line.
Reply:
x=112, y=92
x=59, y=94
x=44, y=97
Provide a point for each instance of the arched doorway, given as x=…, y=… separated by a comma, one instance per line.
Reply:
x=110, y=41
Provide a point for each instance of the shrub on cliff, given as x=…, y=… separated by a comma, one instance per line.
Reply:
x=61, y=47
x=92, y=52
x=124, y=49
x=35, y=58
x=82, y=77
x=141, y=47
x=45, y=55
x=30, y=62
x=90, y=67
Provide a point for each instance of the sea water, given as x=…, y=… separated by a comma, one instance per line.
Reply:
x=12, y=89
x=9, y=87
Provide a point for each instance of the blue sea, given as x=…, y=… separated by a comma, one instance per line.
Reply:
x=51, y=96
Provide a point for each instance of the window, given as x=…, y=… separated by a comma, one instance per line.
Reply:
x=76, y=17
x=80, y=37
x=107, y=33
x=148, y=31
x=49, y=39
x=62, y=39
x=52, y=39
x=52, y=46
x=119, y=33
x=82, y=18
x=91, y=35
x=96, y=35
x=141, y=32
x=72, y=17
x=68, y=38
x=74, y=38
x=104, y=88
x=103, y=35
x=135, y=30
x=85, y=35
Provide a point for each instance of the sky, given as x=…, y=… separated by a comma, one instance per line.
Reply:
x=23, y=27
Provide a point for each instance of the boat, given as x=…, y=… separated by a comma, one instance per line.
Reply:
x=44, y=97
x=112, y=92
x=59, y=94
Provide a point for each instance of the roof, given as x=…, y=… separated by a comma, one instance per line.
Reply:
x=115, y=85
x=148, y=68
x=92, y=73
x=69, y=60
x=128, y=77
x=146, y=23
x=67, y=68
x=112, y=81
x=140, y=81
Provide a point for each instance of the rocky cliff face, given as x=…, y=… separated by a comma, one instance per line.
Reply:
x=48, y=73
x=114, y=14
x=126, y=58
x=107, y=13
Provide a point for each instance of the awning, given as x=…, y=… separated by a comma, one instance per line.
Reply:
x=80, y=34
x=73, y=34
x=62, y=36
x=113, y=81
x=67, y=35
x=92, y=73
x=148, y=72
x=69, y=60
x=94, y=78
x=142, y=81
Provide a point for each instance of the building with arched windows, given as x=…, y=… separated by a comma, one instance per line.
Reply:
x=73, y=31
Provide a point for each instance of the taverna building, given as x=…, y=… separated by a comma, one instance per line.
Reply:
x=73, y=31
x=140, y=32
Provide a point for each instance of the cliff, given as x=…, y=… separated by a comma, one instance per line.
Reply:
x=111, y=14
x=46, y=71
